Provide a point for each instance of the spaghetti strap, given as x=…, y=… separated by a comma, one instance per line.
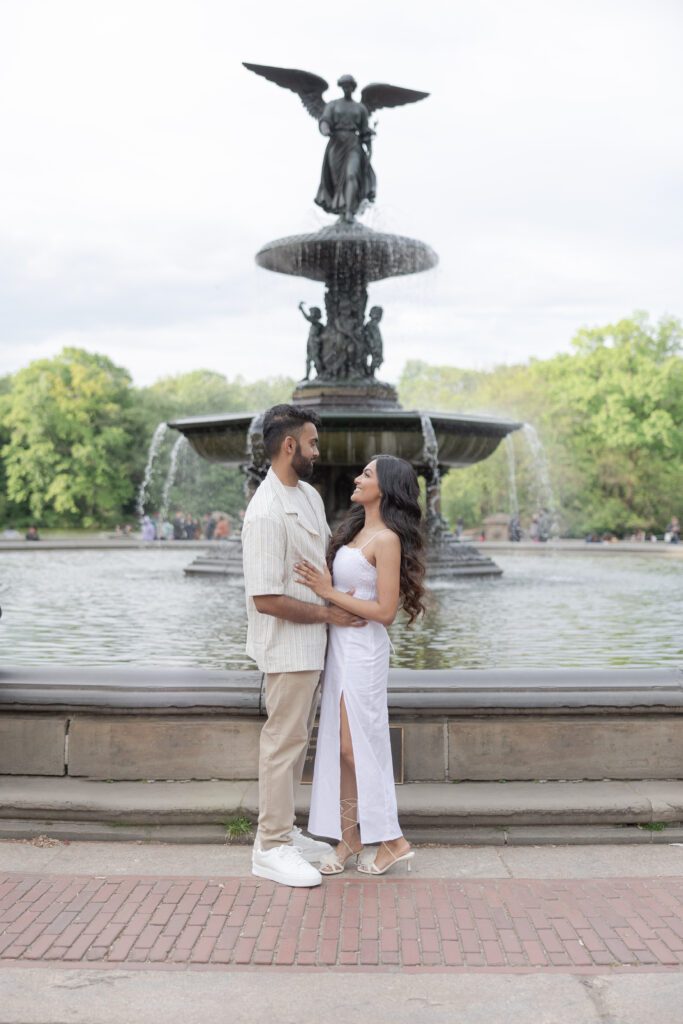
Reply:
x=386, y=528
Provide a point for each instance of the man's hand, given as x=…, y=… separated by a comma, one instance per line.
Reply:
x=293, y=610
x=338, y=617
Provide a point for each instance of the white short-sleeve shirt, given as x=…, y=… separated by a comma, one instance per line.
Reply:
x=283, y=525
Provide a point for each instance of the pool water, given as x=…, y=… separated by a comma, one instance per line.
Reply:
x=549, y=610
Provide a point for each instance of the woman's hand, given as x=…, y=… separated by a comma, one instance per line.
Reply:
x=318, y=580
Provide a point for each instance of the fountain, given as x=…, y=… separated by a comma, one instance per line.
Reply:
x=361, y=415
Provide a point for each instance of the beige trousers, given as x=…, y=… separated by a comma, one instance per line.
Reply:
x=291, y=703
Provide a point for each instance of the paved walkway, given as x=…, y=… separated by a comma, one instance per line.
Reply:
x=607, y=920
x=110, y=921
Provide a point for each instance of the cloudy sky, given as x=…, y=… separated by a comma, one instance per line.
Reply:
x=143, y=167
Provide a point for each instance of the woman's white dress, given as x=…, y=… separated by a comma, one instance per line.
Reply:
x=357, y=667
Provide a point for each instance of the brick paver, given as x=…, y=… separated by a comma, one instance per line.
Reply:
x=424, y=924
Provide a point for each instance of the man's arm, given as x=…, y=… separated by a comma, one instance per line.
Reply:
x=293, y=610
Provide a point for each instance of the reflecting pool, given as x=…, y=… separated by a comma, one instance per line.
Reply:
x=550, y=610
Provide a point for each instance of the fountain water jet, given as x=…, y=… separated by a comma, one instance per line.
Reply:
x=544, y=491
x=180, y=446
x=154, y=446
x=512, y=476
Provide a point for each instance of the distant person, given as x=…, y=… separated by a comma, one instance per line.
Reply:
x=118, y=532
x=179, y=526
x=543, y=526
x=32, y=534
x=459, y=527
x=189, y=527
x=514, y=528
x=148, y=530
x=222, y=530
x=533, y=527
x=210, y=525
x=673, y=530
x=11, y=534
x=167, y=530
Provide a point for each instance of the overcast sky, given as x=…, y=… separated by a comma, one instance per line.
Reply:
x=143, y=167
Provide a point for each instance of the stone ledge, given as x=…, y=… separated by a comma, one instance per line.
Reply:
x=549, y=691
x=423, y=806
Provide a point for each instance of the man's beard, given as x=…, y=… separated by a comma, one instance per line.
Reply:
x=302, y=466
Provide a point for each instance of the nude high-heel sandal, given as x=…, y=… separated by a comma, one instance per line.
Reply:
x=370, y=867
x=332, y=863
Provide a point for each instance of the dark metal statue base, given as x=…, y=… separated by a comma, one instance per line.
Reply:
x=358, y=393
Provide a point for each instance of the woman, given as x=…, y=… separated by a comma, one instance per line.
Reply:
x=377, y=554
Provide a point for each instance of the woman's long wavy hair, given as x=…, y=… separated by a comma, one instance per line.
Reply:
x=400, y=511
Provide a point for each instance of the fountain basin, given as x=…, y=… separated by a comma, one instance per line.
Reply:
x=351, y=437
x=342, y=248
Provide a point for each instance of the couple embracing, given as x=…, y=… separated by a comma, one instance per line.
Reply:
x=317, y=601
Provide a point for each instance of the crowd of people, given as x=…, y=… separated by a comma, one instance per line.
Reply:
x=539, y=531
x=184, y=526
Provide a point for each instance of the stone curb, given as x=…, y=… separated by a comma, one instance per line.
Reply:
x=552, y=835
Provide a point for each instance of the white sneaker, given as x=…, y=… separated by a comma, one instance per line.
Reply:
x=310, y=849
x=284, y=864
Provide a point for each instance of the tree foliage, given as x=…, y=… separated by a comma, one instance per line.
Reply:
x=609, y=415
x=67, y=453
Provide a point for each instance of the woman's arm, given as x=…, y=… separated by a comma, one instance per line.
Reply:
x=386, y=550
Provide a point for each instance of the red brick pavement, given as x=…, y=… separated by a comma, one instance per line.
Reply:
x=426, y=924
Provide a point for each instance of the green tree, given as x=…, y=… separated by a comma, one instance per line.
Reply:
x=617, y=404
x=10, y=512
x=68, y=441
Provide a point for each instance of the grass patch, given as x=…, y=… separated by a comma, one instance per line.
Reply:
x=238, y=828
x=654, y=826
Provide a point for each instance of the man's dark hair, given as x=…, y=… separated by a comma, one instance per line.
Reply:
x=283, y=421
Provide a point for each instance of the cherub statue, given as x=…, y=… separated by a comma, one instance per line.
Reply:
x=314, y=346
x=373, y=341
x=347, y=178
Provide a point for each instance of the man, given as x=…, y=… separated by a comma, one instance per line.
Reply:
x=286, y=635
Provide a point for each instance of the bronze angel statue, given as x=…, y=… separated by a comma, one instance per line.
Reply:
x=347, y=178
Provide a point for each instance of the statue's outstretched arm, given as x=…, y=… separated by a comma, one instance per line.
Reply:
x=309, y=87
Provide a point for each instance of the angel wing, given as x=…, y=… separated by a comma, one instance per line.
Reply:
x=309, y=87
x=378, y=94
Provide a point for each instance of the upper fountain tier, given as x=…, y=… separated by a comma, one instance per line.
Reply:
x=343, y=248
